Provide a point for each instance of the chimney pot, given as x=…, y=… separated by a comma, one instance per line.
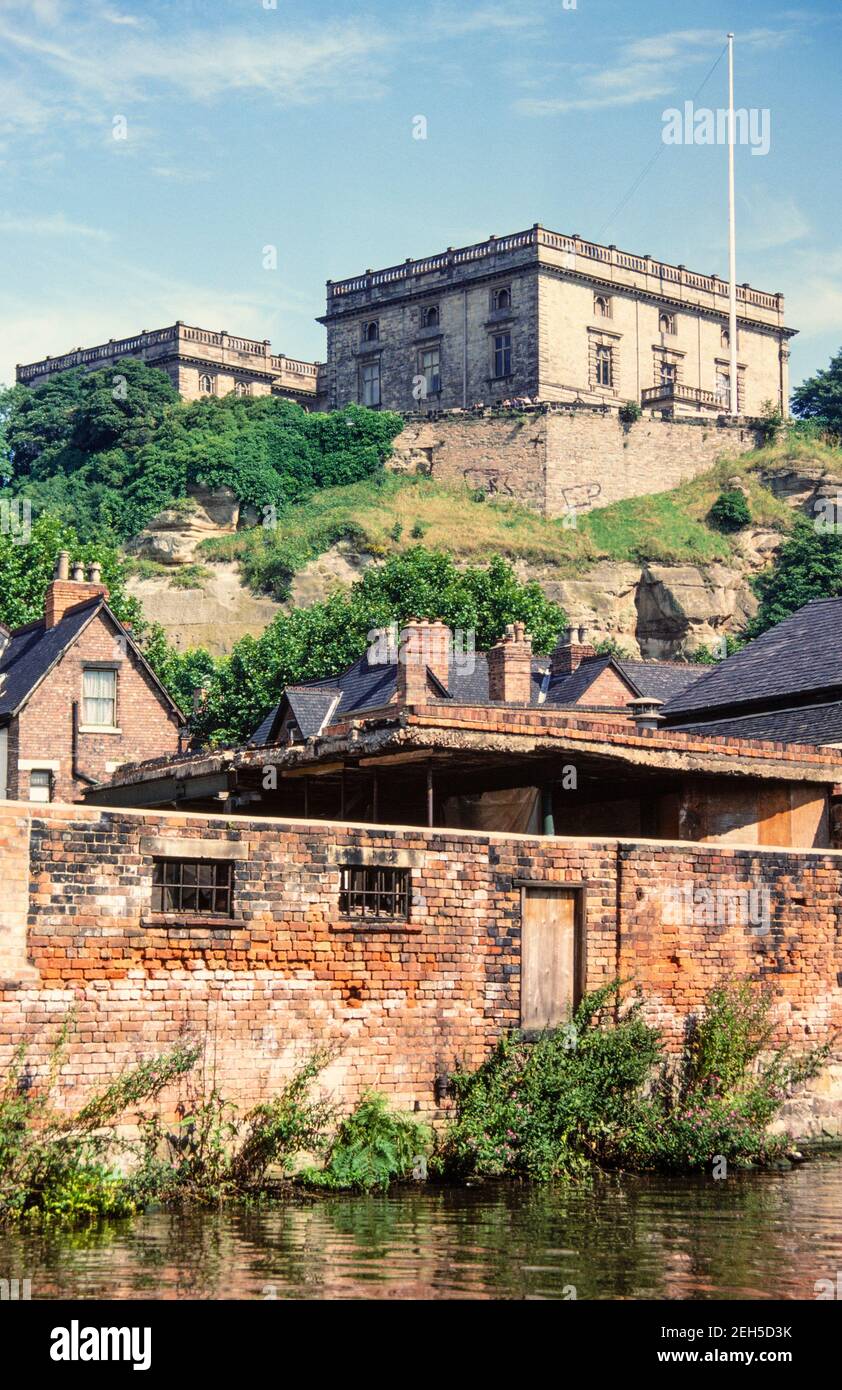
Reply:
x=78, y=573
x=645, y=711
x=62, y=570
x=571, y=650
x=510, y=667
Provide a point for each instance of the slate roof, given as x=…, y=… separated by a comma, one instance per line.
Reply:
x=364, y=687
x=815, y=724
x=33, y=650
x=801, y=656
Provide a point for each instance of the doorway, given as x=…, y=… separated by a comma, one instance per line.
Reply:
x=552, y=970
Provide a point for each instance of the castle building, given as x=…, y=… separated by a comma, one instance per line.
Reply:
x=552, y=318
x=198, y=361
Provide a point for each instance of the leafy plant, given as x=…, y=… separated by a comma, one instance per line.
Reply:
x=630, y=413
x=730, y=511
x=373, y=1147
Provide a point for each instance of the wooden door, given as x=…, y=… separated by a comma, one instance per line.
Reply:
x=550, y=957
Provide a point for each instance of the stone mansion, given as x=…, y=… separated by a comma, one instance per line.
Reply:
x=535, y=315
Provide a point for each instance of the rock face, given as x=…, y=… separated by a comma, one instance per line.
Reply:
x=214, y=616
x=172, y=536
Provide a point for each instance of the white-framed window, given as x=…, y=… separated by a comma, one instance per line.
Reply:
x=501, y=299
x=502, y=354
x=429, y=363
x=604, y=366
x=99, y=698
x=242, y=388
x=666, y=322
x=602, y=306
x=668, y=373
x=206, y=384
x=430, y=317
x=40, y=784
x=370, y=383
x=371, y=331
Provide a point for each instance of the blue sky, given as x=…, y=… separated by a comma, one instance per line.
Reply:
x=250, y=126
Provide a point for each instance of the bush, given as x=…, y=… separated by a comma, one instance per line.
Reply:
x=630, y=412
x=373, y=1147
x=730, y=511
x=600, y=1092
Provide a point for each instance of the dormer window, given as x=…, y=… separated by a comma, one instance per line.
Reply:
x=430, y=317
x=371, y=331
x=602, y=306
x=666, y=322
x=501, y=299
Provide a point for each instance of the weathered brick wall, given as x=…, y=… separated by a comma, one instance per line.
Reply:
x=566, y=459
x=44, y=729
x=290, y=973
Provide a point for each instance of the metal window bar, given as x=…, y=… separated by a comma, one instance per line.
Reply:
x=374, y=893
x=193, y=887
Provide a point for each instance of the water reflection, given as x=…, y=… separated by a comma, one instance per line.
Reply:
x=753, y=1236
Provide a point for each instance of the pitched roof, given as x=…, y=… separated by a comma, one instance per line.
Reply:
x=799, y=656
x=816, y=724
x=34, y=649
x=661, y=680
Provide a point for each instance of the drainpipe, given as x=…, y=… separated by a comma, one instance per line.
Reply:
x=77, y=774
x=547, y=817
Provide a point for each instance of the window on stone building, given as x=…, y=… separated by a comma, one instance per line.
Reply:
x=242, y=388
x=723, y=387
x=430, y=317
x=668, y=374
x=40, y=784
x=601, y=306
x=429, y=363
x=371, y=331
x=666, y=323
x=370, y=383
x=604, y=366
x=502, y=354
x=99, y=698
x=501, y=299
x=373, y=893
x=725, y=337
x=206, y=385
x=193, y=887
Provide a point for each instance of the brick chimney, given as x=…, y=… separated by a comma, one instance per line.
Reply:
x=571, y=650
x=510, y=667
x=64, y=593
x=423, y=646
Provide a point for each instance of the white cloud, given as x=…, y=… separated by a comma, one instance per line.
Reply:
x=645, y=69
x=55, y=225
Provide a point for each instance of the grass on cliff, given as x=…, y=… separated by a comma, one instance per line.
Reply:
x=383, y=515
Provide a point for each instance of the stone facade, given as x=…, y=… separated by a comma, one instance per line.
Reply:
x=554, y=318
x=404, y=1001
x=198, y=361
x=565, y=459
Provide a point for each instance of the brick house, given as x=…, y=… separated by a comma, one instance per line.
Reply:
x=418, y=733
x=77, y=697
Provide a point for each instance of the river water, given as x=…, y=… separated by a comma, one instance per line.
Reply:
x=754, y=1236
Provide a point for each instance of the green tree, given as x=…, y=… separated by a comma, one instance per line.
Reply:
x=808, y=566
x=730, y=511
x=820, y=397
x=312, y=643
x=26, y=569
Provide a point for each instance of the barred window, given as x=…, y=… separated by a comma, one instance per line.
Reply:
x=193, y=887
x=374, y=893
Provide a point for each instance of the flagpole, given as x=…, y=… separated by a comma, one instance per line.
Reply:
x=732, y=239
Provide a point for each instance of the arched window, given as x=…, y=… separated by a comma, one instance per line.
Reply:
x=502, y=299
x=601, y=306
x=242, y=388
x=430, y=317
x=371, y=331
x=666, y=323
x=206, y=385
x=725, y=338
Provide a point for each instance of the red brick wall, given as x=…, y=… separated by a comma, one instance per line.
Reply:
x=290, y=973
x=45, y=728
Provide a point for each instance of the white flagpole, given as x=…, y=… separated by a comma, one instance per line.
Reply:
x=732, y=238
